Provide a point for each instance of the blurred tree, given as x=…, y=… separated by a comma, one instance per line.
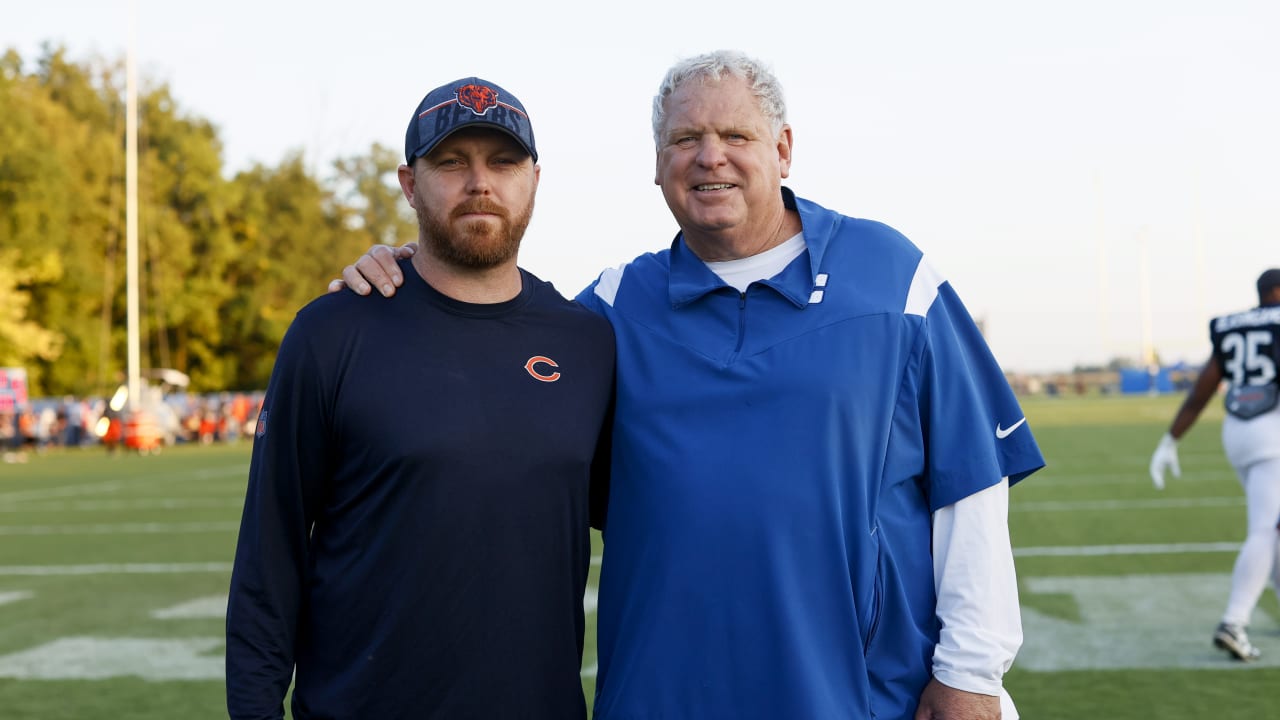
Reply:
x=224, y=264
x=185, y=244
x=56, y=192
x=289, y=232
x=22, y=342
x=368, y=184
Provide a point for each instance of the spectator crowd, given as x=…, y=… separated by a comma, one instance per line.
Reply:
x=42, y=425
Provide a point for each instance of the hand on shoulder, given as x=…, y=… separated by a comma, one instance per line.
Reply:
x=378, y=267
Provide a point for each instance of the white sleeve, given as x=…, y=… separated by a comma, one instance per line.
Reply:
x=977, y=589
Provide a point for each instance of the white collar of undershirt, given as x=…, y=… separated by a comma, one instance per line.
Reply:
x=740, y=273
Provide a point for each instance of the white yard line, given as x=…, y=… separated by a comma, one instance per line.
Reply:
x=224, y=471
x=116, y=569
x=210, y=607
x=1138, y=477
x=1152, y=504
x=1130, y=622
x=120, y=528
x=116, y=485
x=139, y=504
x=14, y=596
x=1097, y=550
x=95, y=658
x=60, y=492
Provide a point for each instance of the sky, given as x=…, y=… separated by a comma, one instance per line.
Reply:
x=1088, y=176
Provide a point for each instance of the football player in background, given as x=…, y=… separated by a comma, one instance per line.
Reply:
x=1246, y=352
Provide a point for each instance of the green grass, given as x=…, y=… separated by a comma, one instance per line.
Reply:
x=84, y=508
x=179, y=511
x=1097, y=451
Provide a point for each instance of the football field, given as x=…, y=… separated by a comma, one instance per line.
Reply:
x=114, y=572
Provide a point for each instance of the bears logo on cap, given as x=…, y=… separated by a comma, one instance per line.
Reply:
x=479, y=99
x=463, y=103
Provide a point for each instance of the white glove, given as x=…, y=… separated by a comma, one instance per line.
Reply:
x=1165, y=458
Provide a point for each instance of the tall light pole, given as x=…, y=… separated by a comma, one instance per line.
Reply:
x=1197, y=235
x=1104, y=270
x=1144, y=291
x=131, y=209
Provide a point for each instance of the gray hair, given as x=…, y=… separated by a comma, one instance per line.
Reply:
x=715, y=66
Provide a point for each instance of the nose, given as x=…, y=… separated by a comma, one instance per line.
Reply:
x=480, y=179
x=710, y=151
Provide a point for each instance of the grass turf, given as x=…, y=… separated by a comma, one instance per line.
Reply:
x=93, y=546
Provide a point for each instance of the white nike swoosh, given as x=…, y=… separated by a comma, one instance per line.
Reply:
x=1002, y=433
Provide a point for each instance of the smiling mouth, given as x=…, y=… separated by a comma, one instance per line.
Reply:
x=712, y=186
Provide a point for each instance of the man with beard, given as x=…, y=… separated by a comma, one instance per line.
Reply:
x=421, y=549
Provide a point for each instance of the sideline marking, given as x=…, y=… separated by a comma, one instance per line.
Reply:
x=119, y=528
x=61, y=492
x=1133, y=622
x=88, y=658
x=1138, y=476
x=213, y=607
x=115, y=485
x=14, y=596
x=148, y=504
x=1096, y=550
x=1156, y=504
x=115, y=569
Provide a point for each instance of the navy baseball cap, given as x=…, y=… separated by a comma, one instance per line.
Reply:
x=468, y=102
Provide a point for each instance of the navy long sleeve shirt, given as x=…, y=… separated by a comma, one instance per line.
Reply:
x=415, y=531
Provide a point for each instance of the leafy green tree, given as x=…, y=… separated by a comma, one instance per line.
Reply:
x=185, y=245
x=224, y=263
x=368, y=185
x=21, y=340
x=289, y=231
x=56, y=196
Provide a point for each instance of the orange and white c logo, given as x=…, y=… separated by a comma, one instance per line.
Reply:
x=543, y=360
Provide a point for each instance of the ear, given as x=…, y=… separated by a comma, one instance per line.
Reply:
x=785, y=142
x=405, y=175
